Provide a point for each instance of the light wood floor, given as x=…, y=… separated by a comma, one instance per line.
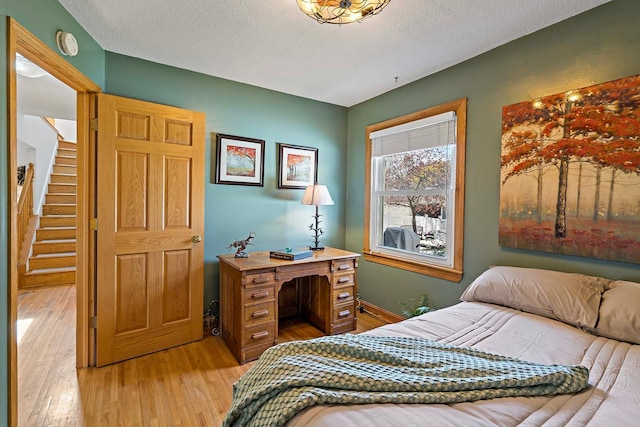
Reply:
x=185, y=386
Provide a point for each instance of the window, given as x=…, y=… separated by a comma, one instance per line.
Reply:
x=414, y=213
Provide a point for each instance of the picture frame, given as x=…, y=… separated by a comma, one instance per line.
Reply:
x=297, y=166
x=239, y=160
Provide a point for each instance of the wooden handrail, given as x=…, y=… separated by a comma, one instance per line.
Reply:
x=25, y=204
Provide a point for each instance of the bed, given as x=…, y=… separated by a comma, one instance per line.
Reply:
x=533, y=315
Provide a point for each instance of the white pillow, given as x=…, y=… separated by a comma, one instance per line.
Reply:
x=569, y=297
x=620, y=312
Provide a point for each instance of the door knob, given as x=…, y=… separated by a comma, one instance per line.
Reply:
x=196, y=239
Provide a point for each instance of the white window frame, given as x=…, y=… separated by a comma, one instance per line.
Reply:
x=449, y=267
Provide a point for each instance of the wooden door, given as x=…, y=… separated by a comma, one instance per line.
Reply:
x=150, y=206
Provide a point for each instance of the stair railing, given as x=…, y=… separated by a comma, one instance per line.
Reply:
x=25, y=205
x=25, y=213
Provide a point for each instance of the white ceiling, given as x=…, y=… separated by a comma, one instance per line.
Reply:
x=272, y=44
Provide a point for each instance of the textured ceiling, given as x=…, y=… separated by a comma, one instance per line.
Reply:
x=271, y=44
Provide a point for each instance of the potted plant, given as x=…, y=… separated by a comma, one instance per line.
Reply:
x=416, y=307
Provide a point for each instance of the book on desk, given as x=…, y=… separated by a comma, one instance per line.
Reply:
x=290, y=254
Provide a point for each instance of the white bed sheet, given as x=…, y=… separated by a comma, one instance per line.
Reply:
x=612, y=398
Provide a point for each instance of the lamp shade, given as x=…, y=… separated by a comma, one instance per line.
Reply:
x=316, y=195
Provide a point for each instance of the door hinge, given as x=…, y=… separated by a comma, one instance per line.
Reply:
x=93, y=322
x=93, y=125
x=93, y=224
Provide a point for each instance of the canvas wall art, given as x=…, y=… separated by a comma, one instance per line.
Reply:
x=570, y=172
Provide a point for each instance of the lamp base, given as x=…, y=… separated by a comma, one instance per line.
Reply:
x=316, y=248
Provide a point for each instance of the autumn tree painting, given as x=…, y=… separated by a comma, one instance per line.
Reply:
x=299, y=167
x=241, y=161
x=570, y=170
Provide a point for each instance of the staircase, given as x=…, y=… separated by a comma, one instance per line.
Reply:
x=53, y=256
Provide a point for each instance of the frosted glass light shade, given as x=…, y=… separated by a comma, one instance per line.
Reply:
x=26, y=68
x=341, y=11
x=317, y=195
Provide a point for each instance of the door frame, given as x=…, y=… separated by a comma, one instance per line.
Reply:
x=20, y=40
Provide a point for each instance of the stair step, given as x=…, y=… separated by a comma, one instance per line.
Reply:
x=71, y=170
x=67, y=144
x=58, y=221
x=60, y=178
x=64, y=160
x=54, y=247
x=51, y=261
x=59, y=233
x=63, y=198
x=58, y=209
x=49, y=277
x=62, y=188
x=67, y=152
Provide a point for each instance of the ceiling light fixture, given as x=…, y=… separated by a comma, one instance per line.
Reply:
x=26, y=68
x=341, y=11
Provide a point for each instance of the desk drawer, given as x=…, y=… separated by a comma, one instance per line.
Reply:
x=343, y=312
x=259, y=334
x=343, y=279
x=259, y=313
x=343, y=265
x=342, y=295
x=259, y=295
x=260, y=279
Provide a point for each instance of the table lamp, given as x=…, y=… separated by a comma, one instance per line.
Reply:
x=316, y=195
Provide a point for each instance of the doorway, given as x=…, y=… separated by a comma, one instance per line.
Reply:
x=21, y=41
x=46, y=131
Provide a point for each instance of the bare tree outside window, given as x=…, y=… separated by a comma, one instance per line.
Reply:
x=425, y=174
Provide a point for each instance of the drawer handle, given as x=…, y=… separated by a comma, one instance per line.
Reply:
x=344, y=266
x=344, y=279
x=344, y=313
x=260, y=313
x=259, y=335
x=259, y=295
x=344, y=295
x=259, y=280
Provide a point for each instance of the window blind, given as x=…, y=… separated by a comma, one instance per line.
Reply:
x=429, y=132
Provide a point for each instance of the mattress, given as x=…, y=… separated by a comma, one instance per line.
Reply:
x=612, y=399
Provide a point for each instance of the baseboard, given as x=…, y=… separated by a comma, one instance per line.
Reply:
x=384, y=314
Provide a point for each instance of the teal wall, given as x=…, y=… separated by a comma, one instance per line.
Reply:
x=231, y=211
x=600, y=45
x=43, y=18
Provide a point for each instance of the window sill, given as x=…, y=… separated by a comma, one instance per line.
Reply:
x=446, y=273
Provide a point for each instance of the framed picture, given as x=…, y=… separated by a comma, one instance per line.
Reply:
x=297, y=166
x=239, y=161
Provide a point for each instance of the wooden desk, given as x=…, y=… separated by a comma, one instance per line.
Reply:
x=250, y=287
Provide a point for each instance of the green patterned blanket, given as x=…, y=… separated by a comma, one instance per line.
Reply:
x=359, y=369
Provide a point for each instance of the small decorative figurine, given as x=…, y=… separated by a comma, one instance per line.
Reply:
x=242, y=245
